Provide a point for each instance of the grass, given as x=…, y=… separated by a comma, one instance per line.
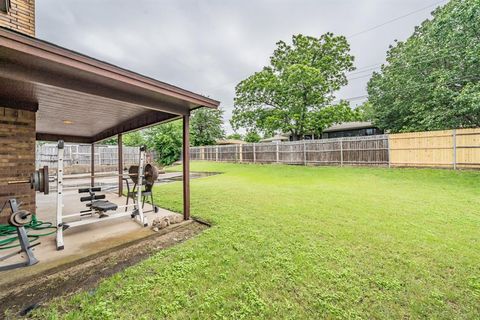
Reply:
x=307, y=242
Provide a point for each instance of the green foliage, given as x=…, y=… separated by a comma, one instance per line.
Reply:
x=206, y=127
x=329, y=115
x=252, y=137
x=134, y=139
x=110, y=141
x=431, y=81
x=297, y=84
x=292, y=242
x=166, y=140
x=235, y=136
x=131, y=139
x=365, y=112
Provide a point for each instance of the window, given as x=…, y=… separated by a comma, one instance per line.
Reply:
x=4, y=5
x=370, y=132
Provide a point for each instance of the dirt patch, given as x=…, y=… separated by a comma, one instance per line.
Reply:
x=19, y=297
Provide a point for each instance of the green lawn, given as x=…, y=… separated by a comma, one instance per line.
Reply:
x=308, y=242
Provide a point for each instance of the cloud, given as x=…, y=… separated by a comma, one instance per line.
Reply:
x=208, y=46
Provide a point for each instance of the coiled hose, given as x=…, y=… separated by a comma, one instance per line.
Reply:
x=9, y=238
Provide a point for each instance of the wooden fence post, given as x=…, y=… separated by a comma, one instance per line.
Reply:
x=454, y=135
x=216, y=154
x=388, y=151
x=304, y=153
x=241, y=152
x=254, y=156
x=341, y=152
x=278, y=159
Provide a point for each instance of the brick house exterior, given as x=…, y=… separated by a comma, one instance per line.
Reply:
x=17, y=127
x=18, y=15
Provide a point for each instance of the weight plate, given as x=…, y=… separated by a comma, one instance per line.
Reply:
x=150, y=174
x=44, y=180
x=20, y=218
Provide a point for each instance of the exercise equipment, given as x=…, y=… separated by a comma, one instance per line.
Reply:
x=97, y=203
x=151, y=175
x=18, y=219
x=39, y=180
x=95, y=207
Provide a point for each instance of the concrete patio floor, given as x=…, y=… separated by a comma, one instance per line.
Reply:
x=81, y=241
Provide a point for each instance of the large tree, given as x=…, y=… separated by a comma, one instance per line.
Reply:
x=298, y=83
x=166, y=140
x=431, y=81
x=206, y=126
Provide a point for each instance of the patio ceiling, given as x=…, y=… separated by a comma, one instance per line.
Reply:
x=81, y=99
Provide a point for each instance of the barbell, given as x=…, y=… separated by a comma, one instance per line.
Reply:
x=39, y=179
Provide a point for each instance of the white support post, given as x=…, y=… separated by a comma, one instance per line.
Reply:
x=60, y=244
x=141, y=219
x=341, y=152
x=454, y=135
x=278, y=158
x=254, y=155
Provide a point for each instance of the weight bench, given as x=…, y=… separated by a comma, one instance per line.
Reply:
x=97, y=203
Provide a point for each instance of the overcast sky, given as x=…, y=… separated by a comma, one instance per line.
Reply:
x=208, y=46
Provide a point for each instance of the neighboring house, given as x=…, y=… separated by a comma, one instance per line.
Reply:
x=307, y=136
x=276, y=138
x=226, y=142
x=351, y=129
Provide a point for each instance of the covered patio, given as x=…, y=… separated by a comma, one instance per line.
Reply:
x=78, y=99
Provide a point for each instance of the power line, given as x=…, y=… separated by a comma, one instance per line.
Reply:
x=416, y=86
x=352, y=98
x=365, y=76
x=372, y=68
x=365, y=31
x=393, y=20
x=409, y=64
x=366, y=70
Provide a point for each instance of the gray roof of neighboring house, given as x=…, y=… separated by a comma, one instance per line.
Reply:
x=354, y=125
x=275, y=138
x=229, y=141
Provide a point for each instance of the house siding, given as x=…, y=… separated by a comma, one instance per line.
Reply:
x=20, y=17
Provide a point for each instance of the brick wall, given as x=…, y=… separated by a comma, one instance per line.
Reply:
x=17, y=156
x=20, y=17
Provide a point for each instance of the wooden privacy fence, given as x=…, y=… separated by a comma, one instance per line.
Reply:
x=370, y=151
x=456, y=149
x=80, y=155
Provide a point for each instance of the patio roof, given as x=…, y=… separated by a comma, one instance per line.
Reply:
x=82, y=99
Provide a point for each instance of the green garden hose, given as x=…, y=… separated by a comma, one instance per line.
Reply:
x=8, y=233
